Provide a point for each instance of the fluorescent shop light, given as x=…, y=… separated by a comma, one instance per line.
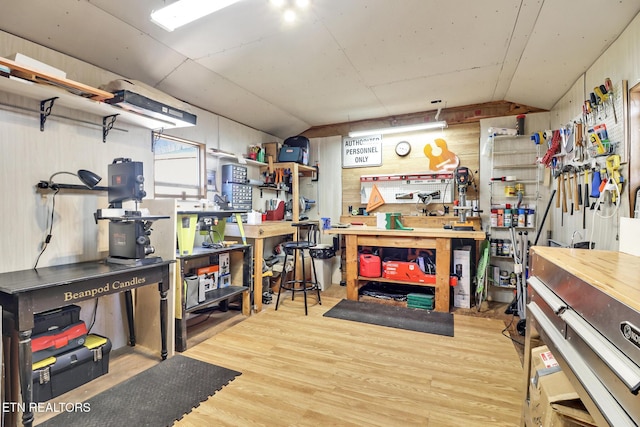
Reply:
x=184, y=11
x=398, y=129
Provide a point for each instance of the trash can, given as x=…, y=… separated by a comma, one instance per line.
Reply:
x=322, y=256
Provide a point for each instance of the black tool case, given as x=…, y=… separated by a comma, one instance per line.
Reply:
x=58, y=318
x=295, y=149
x=57, y=375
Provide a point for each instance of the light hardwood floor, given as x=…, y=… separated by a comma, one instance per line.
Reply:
x=310, y=370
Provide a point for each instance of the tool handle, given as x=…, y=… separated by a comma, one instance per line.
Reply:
x=576, y=194
x=608, y=85
x=579, y=136
x=559, y=191
x=564, y=195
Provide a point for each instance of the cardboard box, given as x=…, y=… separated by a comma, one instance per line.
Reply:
x=462, y=268
x=271, y=149
x=208, y=279
x=224, y=274
x=552, y=399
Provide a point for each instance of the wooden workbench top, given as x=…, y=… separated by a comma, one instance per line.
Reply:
x=261, y=231
x=363, y=230
x=615, y=273
x=421, y=221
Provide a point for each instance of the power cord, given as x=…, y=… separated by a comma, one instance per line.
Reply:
x=610, y=187
x=47, y=239
x=95, y=312
x=508, y=327
x=211, y=243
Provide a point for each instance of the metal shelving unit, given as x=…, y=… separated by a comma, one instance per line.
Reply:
x=513, y=158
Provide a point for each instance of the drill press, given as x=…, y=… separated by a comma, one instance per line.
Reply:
x=462, y=177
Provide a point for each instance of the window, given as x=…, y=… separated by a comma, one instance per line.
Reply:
x=178, y=167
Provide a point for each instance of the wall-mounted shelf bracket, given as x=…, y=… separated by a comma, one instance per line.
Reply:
x=107, y=125
x=45, y=110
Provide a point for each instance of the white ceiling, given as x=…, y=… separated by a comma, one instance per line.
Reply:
x=344, y=60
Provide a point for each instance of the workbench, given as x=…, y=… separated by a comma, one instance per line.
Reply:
x=419, y=238
x=26, y=292
x=258, y=233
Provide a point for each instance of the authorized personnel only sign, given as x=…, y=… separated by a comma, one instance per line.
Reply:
x=362, y=152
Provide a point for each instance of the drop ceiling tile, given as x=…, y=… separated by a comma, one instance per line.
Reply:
x=83, y=31
x=214, y=93
x=455, y=89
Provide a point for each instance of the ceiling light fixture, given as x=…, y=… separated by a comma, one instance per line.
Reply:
x=291, y=8
x=289, y=15
x=183, y=12
x=398, y=129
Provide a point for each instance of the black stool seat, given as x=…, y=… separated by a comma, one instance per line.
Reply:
x=297, y=249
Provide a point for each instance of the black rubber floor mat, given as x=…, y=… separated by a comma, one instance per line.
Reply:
x=412, y=319
x=155, y=397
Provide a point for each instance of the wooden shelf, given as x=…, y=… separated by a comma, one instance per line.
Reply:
x=517, y=228
x=396, y=282
x=44, y=92
x=303, y=170
x=218, y=295
x=498, y=167
x=240, y=262
x=517, y=181
x=238, y=158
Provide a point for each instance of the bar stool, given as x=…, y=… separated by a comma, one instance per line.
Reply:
x=297, y=248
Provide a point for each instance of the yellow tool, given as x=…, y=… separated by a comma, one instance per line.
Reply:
x=595, y=140
x=604, y=97
x=613, y=166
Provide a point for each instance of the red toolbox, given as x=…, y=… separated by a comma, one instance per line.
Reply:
x=58, y=341
x=370, y=265
x=410, y=272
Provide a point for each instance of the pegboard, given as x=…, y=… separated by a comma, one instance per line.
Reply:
x=615, y=123
x=401, y=188
x=615, y=126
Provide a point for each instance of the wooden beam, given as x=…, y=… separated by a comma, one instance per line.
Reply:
x=455, y=115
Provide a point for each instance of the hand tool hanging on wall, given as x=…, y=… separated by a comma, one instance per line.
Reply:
x=578, y=140
x=601, y=98
x=586, y=198
x=586, y=112
x=613, y=166
x=559, y=189
x=580, y=200
x=566, y=133
x=609, y=87
x=564, y=193
x=576, y=191
x=553, y=149
x=593, y=99
x=544, y=217
x=595, y=187
x=569, y=189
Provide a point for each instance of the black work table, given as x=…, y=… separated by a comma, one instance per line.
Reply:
x=26, y=292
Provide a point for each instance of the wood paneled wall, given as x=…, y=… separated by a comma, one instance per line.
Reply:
x=463, y=140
